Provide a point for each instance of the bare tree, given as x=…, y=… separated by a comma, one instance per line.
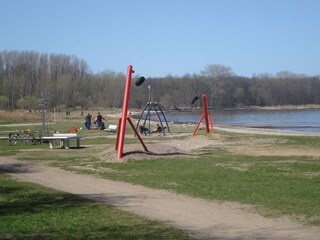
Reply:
x=216, y=76
x=67, y=80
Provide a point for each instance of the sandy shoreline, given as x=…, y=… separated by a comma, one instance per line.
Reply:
x=263, y=131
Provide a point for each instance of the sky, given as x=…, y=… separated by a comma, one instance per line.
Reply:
x=169, y=37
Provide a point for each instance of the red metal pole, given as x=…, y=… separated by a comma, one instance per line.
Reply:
x=196, y=129
x=137, y=134
x=211, y=124
x=124, y=112
x=206, y=116
x=204, y=104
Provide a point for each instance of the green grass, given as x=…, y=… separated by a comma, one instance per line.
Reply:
x=6, y=149
x=302, y=141
x=95, y=141
x=17, y=121
x=28, y=211
x=277, y=185
x=282, y=185
x=7, y=122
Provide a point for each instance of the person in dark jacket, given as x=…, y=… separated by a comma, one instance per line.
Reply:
x=88, y=121
x=99, y=121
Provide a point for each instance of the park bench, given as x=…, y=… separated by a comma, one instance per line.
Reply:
x=64, y=139
x=111, y=128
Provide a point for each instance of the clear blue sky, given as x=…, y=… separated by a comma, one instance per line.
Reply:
x=161, y=37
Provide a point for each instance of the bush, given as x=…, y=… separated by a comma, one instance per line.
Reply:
x=28, y=102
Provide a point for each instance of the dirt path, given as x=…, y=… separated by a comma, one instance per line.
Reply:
x=200, y=218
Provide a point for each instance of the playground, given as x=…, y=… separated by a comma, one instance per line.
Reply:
x=211, y=182
x=207, y=172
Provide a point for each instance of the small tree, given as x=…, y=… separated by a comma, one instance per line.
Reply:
x=4, y=101
x=28, y=102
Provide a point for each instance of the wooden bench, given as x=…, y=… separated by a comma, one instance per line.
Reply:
x=111, y=128
x=64, y=139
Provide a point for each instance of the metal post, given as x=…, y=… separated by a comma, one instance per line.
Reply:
x=124, y=112
x=204, y=104
x=124, y=118
x=197, y=126
x=149, y=87
x=137, y=134
x=54, y=115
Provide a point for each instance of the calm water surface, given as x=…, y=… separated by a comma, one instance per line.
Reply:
x=297, y=119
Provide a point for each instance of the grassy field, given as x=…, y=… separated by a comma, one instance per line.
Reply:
x=276, y=185
x=28, y=211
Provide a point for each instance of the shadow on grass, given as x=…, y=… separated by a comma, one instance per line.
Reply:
x=15, y=168
x=157, y=154
x=31, y=212
x=27, y=202
x=81, y=147
x=9, y=190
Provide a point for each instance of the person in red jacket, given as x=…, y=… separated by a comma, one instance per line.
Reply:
x=99, y=121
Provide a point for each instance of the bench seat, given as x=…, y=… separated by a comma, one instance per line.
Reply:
x=111, y=128
x=64, y=139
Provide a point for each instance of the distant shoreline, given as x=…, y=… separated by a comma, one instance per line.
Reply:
x=284, y=107
x=279, y=107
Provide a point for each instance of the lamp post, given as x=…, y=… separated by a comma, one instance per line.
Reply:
x=149, y=87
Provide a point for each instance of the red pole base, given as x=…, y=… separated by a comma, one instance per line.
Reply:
x=137, y=134
x=120, y=153
x=196, y=129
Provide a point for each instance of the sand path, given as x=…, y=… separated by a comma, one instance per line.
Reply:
x=200, y=218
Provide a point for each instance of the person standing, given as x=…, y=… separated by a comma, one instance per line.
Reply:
x=99, y=121
x=88, y=121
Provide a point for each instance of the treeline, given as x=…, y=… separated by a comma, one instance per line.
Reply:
x=67, y=81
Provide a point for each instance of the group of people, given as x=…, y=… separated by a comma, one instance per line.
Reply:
x=98, y=121
x=146, y=131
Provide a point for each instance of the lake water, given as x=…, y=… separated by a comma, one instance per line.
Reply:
x=297, y=119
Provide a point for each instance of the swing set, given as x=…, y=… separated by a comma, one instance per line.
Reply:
x=153, y=107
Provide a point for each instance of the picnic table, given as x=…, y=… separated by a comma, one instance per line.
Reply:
x=64, y=139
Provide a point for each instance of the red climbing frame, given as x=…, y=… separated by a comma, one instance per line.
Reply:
x=124, y=118
x=205, y=116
